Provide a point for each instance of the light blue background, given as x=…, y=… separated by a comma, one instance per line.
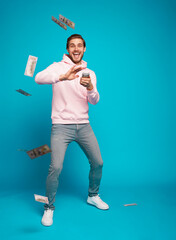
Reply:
x=131, y=46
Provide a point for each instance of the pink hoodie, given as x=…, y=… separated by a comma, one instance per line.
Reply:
x=70, y=98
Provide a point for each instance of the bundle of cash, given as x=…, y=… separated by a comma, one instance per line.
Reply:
x=30, y=67
x=130, y=204
x=66, y=21
x=42, y=199
x=59, y=23
x=23, y=92
x=37, y=152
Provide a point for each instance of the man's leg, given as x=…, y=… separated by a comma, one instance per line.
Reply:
x=88, y=142
x=61, y=136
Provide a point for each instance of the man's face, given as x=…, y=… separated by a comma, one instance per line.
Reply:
x=76, y=50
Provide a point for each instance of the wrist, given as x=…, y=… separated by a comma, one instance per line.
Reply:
x=62, y=77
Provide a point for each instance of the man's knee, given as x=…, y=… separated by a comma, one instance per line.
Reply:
x=55, y=169
x=100, y=164
x=97, y=163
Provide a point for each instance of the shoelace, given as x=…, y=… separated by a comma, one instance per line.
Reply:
x=100, y=199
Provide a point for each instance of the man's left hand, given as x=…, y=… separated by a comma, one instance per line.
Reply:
x=86, y=82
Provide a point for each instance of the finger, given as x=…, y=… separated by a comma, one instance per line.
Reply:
x=85, y=85
x=73, y=77
x=86, y=78
x=77, y=69
x=72, y=69
x=85, y=82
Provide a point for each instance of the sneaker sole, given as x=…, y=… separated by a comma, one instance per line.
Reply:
x=46, y=225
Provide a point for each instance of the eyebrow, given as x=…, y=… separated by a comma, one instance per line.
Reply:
x=74, y=44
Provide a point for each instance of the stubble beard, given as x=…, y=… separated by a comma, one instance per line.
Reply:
x=78, y=61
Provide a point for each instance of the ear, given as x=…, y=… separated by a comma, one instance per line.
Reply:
x=84, y=49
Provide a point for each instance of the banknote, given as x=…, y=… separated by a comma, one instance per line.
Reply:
x=37, y=152
x=40, y=198
x=66, y=21
x=30, y=67
x=59, y=23
x=130, y=204
x=23, y=92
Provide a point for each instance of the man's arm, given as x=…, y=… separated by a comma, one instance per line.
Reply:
x=48, y=76
x=53, y=74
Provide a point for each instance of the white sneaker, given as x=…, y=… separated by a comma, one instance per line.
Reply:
x=47, y=219
x=97, y=202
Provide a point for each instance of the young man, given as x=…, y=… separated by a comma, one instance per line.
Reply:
x=71, y=94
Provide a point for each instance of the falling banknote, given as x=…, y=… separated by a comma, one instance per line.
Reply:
x=42, y=199
x=30, y=67
x=23, y=92
x=130, y=204
x=37, y=152
x=66, y=21
x=59, y=23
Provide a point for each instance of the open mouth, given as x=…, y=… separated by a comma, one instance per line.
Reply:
x=76, y=55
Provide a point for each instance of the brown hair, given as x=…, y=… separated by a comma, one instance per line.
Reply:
x=75, y=36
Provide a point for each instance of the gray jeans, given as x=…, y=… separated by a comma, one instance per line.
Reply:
x=61, y=136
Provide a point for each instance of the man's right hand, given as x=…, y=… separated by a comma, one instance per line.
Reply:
x=71, y=74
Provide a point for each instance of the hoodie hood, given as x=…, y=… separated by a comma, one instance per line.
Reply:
x=67, y=60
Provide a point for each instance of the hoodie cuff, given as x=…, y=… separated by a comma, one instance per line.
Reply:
x=91, y=91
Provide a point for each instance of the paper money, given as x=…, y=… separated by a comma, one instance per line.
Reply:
x=131, y=204
x=59, y=23
x=37, y=152
x=42, y=199
x=30, y=67
x=23, y=92
x=66, y=21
